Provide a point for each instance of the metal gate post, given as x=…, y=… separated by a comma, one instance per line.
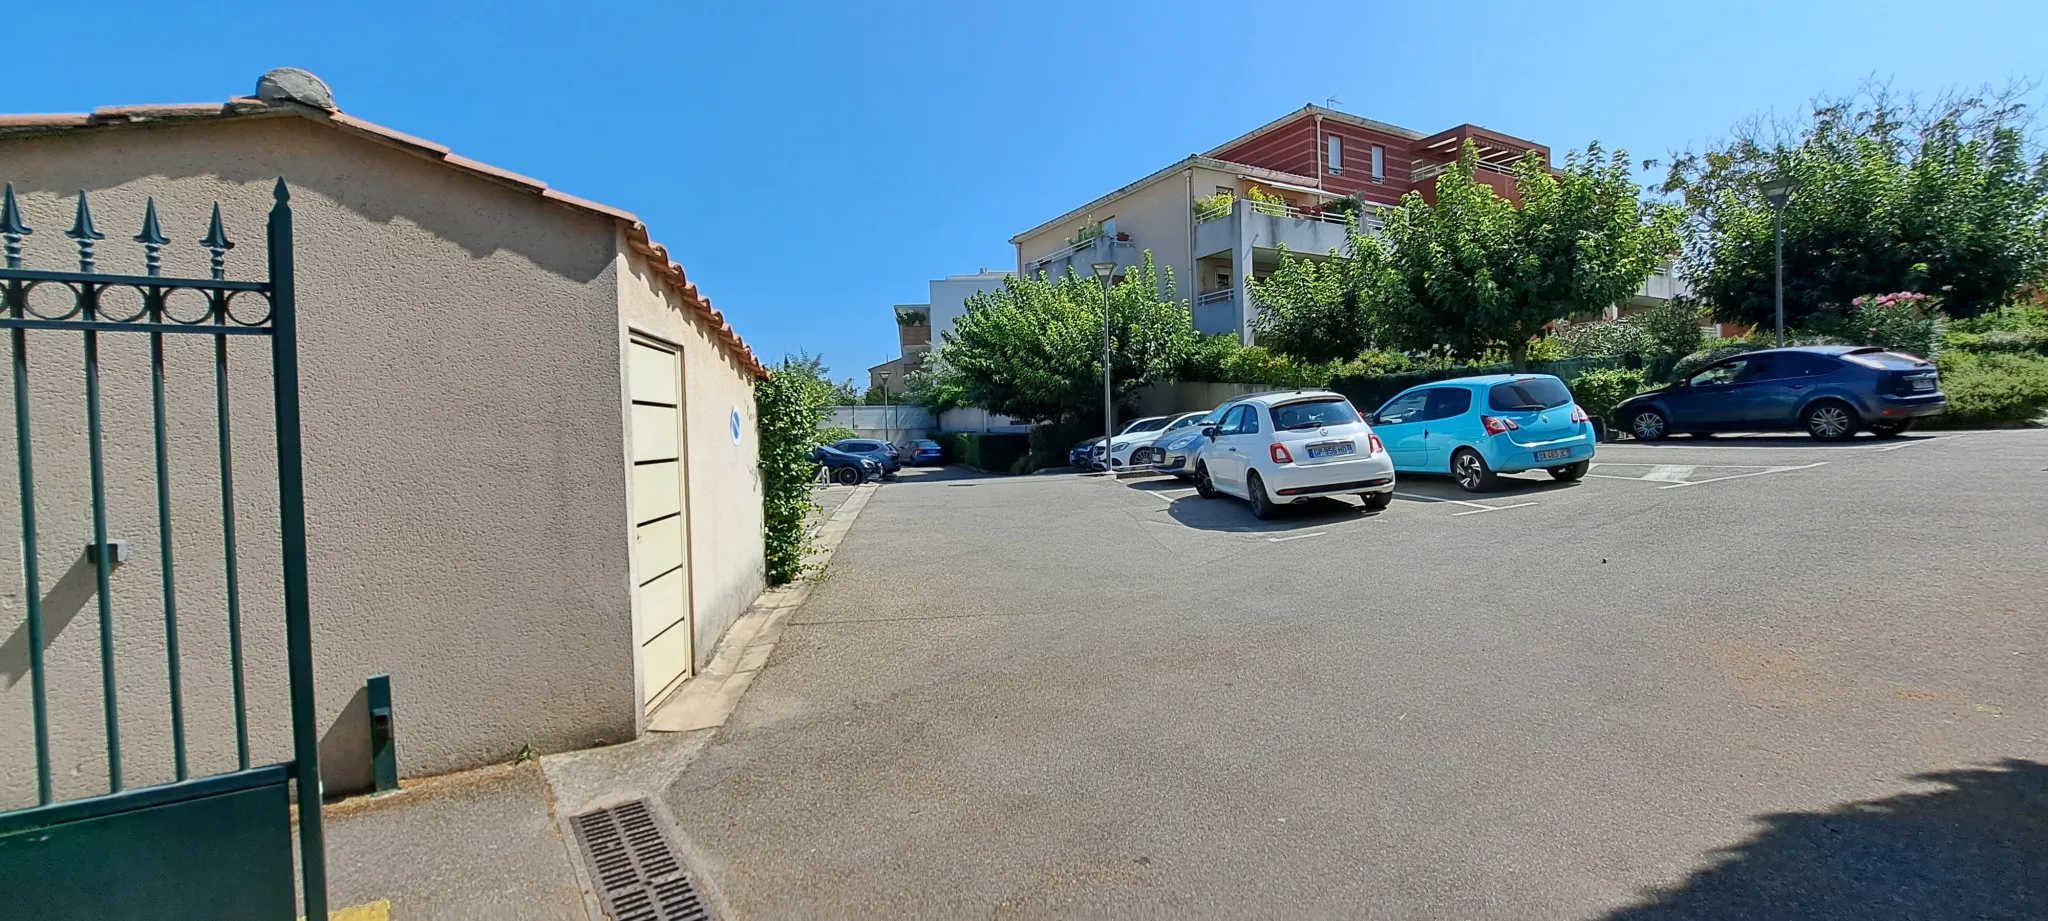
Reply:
x=291, y=502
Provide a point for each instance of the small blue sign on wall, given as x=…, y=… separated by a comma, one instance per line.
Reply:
x=735, y=425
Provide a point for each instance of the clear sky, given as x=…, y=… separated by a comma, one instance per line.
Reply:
x=811, y=164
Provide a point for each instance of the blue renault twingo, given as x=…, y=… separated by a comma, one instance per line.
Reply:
x=1474, y=428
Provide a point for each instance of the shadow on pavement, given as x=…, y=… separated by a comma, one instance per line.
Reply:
x=957, y=474
x=1975, y=850
x=1225, y=513
x=1160, y=483
x=1512, y=486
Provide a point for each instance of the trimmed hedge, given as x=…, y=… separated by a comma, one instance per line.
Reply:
x=1998, y=389
x=988, y=452
x=1369, y=392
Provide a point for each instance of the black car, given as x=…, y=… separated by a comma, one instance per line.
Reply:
x=845, y=469
x=1830, y=392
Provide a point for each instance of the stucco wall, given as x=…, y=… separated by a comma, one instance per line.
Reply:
x=728, y=569
x=465, y=485
x=1158, y=216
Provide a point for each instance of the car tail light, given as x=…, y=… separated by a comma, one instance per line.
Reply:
x=1373, y=445
x=1279, y=452
x=1579, y=414
x=1498, y=425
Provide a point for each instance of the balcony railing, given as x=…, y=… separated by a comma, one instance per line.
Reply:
x=1425, y=170
x=1215, y=297
x=1275, y=209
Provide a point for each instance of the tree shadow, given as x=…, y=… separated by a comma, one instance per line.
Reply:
x=1864, y=440
x=1976, y=849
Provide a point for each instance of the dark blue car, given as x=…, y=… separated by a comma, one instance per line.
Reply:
x=843, y=468
x=926, y=451
x=1831, y=392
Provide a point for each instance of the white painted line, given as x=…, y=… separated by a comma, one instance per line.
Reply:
x=1410, y=495
x=1609, y=476
x=1741, y=475
x=1669, y=473
x=1922, y=441
x=1492, y=508
x=1280, y=540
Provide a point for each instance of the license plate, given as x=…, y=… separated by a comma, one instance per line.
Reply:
x=1554, y=454
x=1922, y=383
x=1331, y=450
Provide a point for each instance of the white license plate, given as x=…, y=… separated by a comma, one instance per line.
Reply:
x=1331, y=450
x=1554, y=454
x=1922, y=383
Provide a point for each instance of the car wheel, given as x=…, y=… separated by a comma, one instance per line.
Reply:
x=1648, y=424
x=846, y=476
x=1889, y=429
x=1830, y=420
x=1376, y=501
x=1570, y=472
x=1203, y=486
x=1471, y=471
x=1262, y=507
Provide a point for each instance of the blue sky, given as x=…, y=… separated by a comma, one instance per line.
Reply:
x=811, y=164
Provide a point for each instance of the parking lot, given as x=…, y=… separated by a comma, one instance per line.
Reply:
x=1755, y=677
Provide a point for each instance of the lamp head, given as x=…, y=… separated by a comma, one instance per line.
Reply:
x=1103, y=269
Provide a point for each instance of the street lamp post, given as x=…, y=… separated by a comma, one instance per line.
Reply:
x=1777, y=191
x=1102, y=272
x=888, y=413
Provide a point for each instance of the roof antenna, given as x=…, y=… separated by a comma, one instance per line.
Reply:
x=1331, y=102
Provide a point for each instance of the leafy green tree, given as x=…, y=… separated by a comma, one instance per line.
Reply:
x=1310, y=310
x=1032, y=349
x=1471, y=272
x=845, y=393
x=877, y=395
x=1941, y=199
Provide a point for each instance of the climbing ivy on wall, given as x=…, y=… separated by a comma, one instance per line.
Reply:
x=789, y=405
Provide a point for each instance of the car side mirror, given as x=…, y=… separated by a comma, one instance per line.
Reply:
x=1208, y=431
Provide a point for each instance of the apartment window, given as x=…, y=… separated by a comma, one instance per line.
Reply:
x=1226, y=190
x=1336, y=157
x=1379, y=163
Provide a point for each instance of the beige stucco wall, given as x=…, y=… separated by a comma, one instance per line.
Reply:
x=728, y=569
x=1159, y=217
x=465, y=485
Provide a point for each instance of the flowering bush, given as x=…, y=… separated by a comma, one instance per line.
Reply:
x=1903, y=322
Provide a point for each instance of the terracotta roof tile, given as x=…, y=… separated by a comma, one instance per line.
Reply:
x=657, y=255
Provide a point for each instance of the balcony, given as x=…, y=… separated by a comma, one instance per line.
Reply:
x=1261, y=225
x=1081, y=257
x=1217, y=312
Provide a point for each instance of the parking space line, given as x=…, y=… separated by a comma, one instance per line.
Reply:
x=1419, y=498
x=1610, y=476
x=1669, y=473
x=1739, y=476
x=1491, y=508
x=1279, y=540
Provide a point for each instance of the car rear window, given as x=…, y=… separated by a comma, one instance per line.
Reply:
x=1528, y=395
x=1306, y=413
x=1150, y=425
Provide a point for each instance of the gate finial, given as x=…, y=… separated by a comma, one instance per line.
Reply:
x=83, y=232
x=152, y=238
x=217, y=243
x=11, y=227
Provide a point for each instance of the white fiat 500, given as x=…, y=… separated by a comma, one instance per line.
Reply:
x=1274, y=449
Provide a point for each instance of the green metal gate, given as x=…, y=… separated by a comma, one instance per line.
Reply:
x=213, y=847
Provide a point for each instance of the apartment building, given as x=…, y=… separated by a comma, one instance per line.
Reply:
x=919, y=327
x=1198, y=218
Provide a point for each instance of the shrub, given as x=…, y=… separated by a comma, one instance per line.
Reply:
x=1347, y=205
x=1051, y=441
x=2022, y=341
x=1671, y=328
x=992, y=452
x=1208, y=203
x=835, y=433
x=1992, y=390
x=788, y=408
x=2015, y=319
x=1598, y=392
x=1586, y=340
x=1265, y=202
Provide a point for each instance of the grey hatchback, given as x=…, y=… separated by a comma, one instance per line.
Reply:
x=874, y=449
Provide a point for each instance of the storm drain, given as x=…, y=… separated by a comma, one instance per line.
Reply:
x=637, y=872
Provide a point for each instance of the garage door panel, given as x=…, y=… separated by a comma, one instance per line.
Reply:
x=664, y=659
x=658, y=547
x=654, y=433
x=652, y=375
x=663, y=602
x=657, y=490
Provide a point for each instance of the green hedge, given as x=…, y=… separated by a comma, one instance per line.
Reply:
x=1991, y=390
x=1368, y=392
x=989, y=452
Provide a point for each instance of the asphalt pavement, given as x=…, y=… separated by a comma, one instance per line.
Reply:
x=1727, y=678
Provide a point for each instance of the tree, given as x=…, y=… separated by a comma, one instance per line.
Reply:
x=1032, y=349
x=844, y=393
x=1309, y=310
x=877, y=395
x=1891, y=195
x=1471, y=272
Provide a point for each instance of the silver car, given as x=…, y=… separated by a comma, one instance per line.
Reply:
x=1175, y=452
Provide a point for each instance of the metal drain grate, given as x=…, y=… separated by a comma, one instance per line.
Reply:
x=637, y=873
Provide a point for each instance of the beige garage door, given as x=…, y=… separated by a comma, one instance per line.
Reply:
x=661, y=609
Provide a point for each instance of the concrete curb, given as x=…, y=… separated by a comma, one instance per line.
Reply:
x=708, y=699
